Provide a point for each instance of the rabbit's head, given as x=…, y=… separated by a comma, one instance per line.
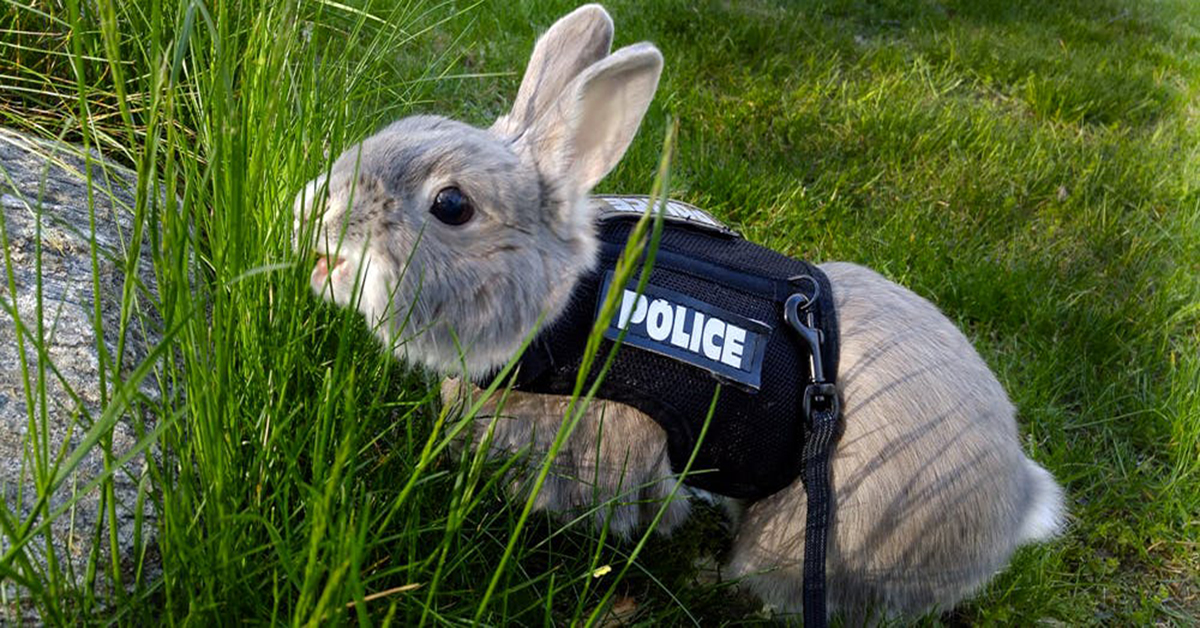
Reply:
x=453, y=240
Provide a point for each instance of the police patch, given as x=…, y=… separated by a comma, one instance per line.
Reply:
x=687, y=329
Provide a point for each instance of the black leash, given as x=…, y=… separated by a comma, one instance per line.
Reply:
x=822, y=412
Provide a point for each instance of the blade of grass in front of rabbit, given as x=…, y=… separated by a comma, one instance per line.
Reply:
x=462, y=500
x=658, y=516
x=430, y=451
x=637, y=550
x=610, y=506
x=572, y=415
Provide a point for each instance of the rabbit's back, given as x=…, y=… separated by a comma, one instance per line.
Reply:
x=933, y=492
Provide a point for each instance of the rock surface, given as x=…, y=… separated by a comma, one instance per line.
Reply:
x=48, y=180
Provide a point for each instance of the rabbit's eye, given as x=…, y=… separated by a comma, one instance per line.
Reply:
x=452, y=207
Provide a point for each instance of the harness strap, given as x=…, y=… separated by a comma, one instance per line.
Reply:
x=822, y=427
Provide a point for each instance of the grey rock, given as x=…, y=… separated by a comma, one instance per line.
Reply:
x=46, y=181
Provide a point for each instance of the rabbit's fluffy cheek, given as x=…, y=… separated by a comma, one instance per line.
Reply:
x=378, y=286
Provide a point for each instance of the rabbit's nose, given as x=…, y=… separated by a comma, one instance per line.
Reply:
x=323, y=265
x=323, y=270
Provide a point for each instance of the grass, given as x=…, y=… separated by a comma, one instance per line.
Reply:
x=1028, y=166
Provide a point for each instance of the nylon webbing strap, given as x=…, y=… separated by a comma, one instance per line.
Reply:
x=822, y=425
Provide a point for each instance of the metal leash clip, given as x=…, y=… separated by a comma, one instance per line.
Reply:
x=820, y=394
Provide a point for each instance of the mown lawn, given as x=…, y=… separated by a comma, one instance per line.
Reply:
x=1029, y=166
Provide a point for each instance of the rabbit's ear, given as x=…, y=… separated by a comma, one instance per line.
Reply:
x=585, y=133
x=575, y=42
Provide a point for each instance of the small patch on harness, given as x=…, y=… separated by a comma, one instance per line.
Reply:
x=632, y=206
x=687, y=329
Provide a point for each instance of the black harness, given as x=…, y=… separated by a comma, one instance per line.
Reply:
x=718, y=311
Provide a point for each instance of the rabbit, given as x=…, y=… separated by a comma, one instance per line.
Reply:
x=452, y=241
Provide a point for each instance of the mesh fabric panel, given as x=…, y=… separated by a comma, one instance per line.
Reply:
x=754, y=442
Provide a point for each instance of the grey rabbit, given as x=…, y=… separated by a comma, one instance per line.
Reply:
x=452, y=241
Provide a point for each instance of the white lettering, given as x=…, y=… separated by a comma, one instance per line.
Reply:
x=697, y=332
x=639, y=312
x=664, y=321
x=628, y=300
x=658, y=321
x=714, y=328
x=678, y=337
x=731, y=353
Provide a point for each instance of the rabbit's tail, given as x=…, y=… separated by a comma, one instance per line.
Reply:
x=1045, y=514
